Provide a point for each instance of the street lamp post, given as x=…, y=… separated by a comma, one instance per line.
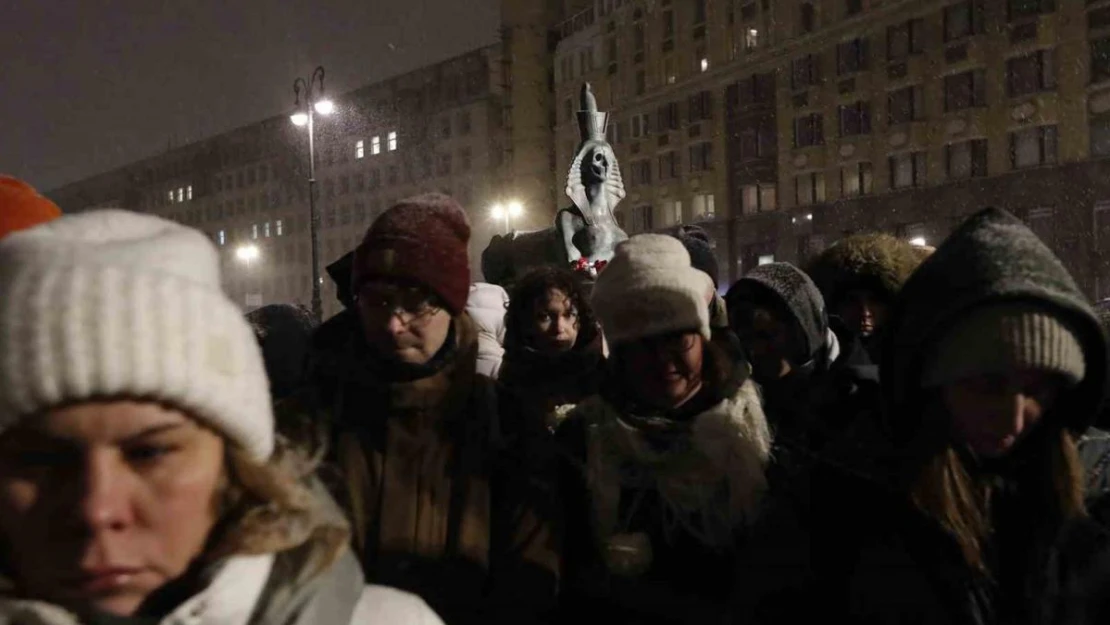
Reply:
x=507, y=212
x=314, y=102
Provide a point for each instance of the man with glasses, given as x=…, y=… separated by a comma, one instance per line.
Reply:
x=434, y=508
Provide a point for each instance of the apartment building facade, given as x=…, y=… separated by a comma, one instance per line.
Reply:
x=782, y=126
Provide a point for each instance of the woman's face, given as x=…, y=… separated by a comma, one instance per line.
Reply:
x=102, y=503
x=663, y=372
x=554, y=323
x=768, y=341
x=863, y=311
x=991, y=413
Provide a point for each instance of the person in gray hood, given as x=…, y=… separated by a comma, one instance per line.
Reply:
x=141, y=480
x=992, y=367
x=781, y=320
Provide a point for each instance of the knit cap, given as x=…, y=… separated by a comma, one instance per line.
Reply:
x=650, y=289
x=22, y=207
x=999, y=338
x=111, y=303
x=424, y=240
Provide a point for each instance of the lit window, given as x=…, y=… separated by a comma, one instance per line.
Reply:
x=280, y=231
x=221, y=237
x=189, y=192
x=393, y=141
x=360, y=149
x=375, y=146
x=254, y=231
x=766, y=259
x=171, y=195
x=180, y=194
x=266, y=230
x=704, y=64
x=751, y=39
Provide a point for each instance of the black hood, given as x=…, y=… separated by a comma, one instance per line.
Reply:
x=992, y=257
x=284, y=332
x=791, y=289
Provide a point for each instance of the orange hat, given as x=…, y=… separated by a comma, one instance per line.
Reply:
x=22, y=207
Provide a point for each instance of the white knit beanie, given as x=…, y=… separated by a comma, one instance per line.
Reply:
x=110, y=304
x=649, y=289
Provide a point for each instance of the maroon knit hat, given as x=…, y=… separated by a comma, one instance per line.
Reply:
x=422, y=239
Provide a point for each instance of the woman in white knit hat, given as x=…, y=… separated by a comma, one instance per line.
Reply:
x=666, y=465
x=140, y=478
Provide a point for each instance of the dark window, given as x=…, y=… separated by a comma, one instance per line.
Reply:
x=1098, y=18
x=804, y=72
x=700, y=106
x=907, y=170
x=668, y=25
x=641, y=172
x=360, y=182
x=747, y=12
x=668, y=165
x=1018, y=9
x=699, y=11
x=905, y=105
x=809, y=130
x=749, y=145
x=852, y=7
x=668, y=117
x=445, y=127
x=1031, y=147
x=855, y=119
x=756, y=89
x=963, y=20
x=967, y=159
x=464, y=123
x=1100, y=59
x=701, y=156
x=638, y=37
x=809, y=188
x=808, y=19
x=851, y=56
x=1030, y=73
x=641, y=82
x=466, y=158
x=964, y=90
x=856, y=179
x=1100, y=135
x=905, y=39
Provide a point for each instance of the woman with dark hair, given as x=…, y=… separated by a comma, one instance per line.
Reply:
x=553, y=349
x=972, y=509
x=664, y=468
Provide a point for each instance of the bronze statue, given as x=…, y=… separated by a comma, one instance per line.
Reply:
x=586, y=233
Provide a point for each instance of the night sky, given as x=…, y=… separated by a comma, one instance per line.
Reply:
x=86, y=86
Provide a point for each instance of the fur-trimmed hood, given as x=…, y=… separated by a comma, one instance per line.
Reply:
x=879, y=262
x=710, y=481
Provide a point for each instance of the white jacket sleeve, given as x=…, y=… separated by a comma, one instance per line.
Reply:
x=380, y=605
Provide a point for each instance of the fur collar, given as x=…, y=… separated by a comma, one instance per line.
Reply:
x=710, y=479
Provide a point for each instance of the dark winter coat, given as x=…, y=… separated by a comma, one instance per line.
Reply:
x=683, y=491
x=534, y=385
x=820, y=396
x=284, y=332
x=438, y=506
x=847, y=538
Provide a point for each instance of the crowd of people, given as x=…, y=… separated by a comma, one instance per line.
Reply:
x=891, y=434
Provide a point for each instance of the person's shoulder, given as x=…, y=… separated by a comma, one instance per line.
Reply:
x=384, y=605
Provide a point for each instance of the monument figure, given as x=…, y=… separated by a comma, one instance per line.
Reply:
x=586, y=233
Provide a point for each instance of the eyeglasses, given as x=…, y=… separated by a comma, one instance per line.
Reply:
x=408, y=304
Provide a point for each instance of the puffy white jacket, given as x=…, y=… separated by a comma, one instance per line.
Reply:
x=486, y=306
x=234, y=594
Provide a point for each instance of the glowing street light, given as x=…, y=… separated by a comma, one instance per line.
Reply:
x=299, y=119
x=918, y=241
x=507, y=212
x=248, y=253
x=324, y=107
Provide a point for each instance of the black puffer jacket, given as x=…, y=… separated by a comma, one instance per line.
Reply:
x=846, y=536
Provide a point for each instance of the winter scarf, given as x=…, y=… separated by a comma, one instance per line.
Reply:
x=537, y=384
x=710, y=477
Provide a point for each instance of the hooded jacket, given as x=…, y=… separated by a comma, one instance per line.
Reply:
x=284, y=332
x=486, y=306
x=847, y=537
x=877, y=262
